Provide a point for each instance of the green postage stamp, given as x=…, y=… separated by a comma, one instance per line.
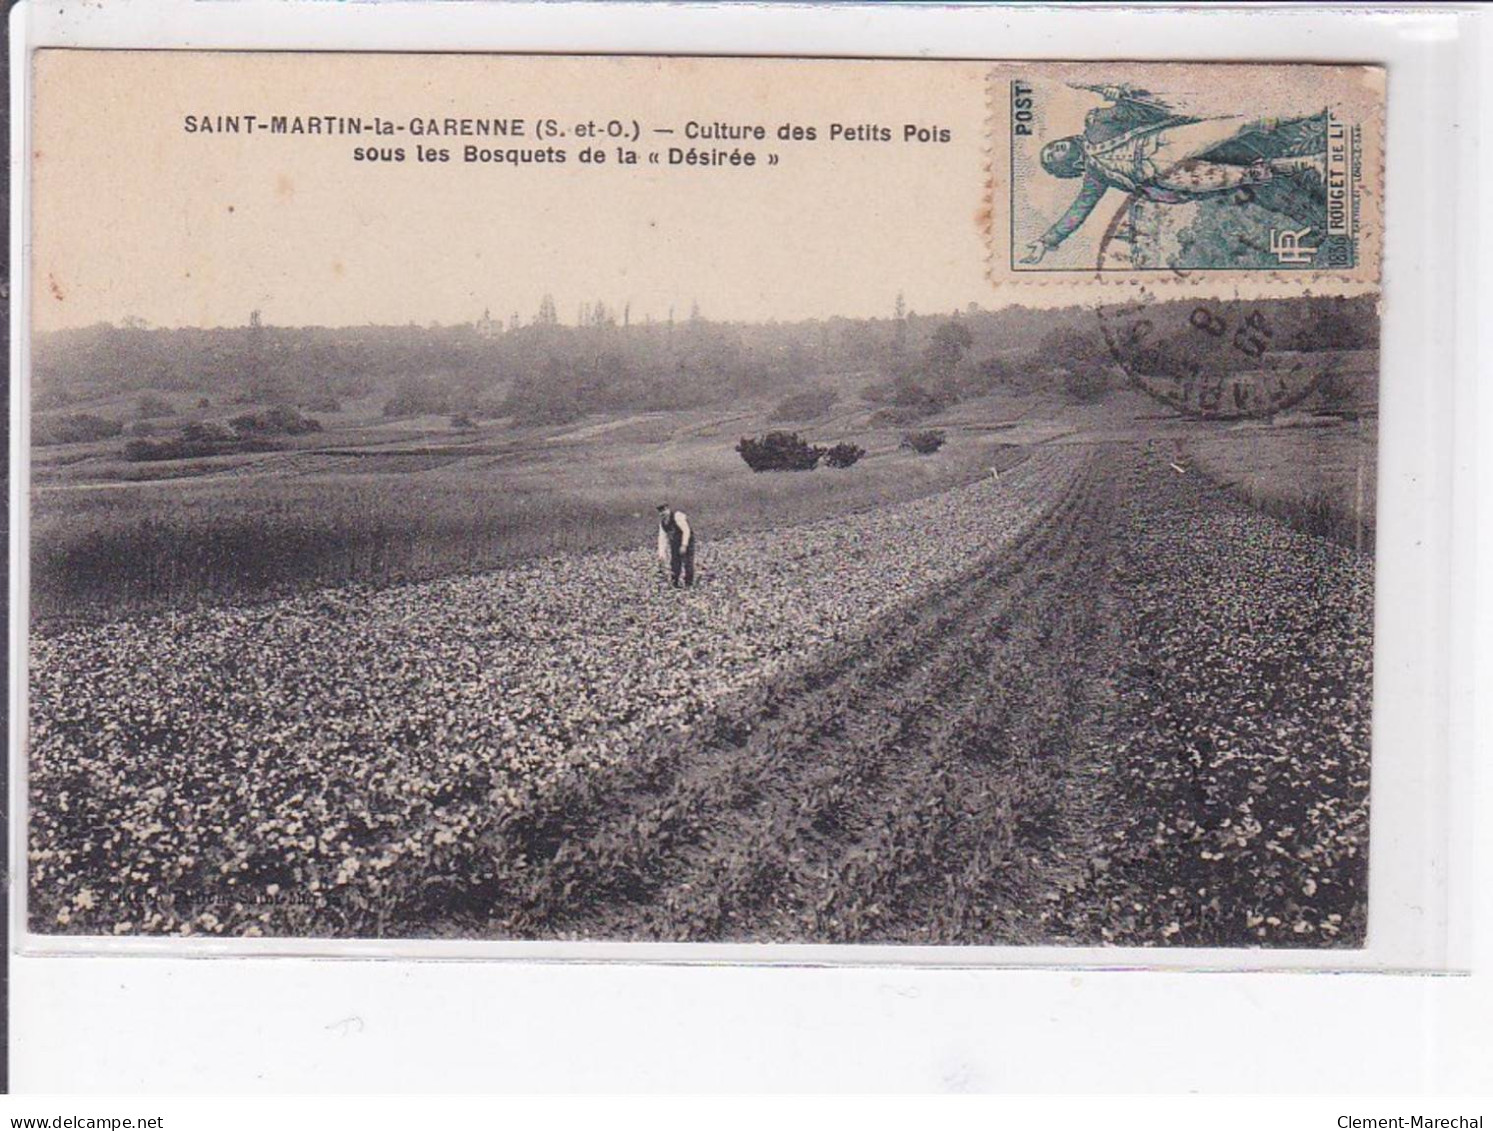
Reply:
x=1165, y=167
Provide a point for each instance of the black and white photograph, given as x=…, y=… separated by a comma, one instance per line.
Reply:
x=467, y=502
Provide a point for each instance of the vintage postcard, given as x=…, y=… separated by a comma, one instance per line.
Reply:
x=492, y=497
x=1134, y=168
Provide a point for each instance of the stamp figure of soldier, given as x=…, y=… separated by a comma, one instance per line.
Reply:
x=1140, y=145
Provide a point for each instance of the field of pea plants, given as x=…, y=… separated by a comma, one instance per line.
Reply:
x=1090, y=700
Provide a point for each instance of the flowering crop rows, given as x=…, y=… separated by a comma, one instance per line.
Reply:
x=351, y=761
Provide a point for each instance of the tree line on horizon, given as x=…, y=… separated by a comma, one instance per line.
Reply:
x=548, y=372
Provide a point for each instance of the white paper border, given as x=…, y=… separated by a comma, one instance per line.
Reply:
x=1419, y=902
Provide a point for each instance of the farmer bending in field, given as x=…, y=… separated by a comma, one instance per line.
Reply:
x=676, y=544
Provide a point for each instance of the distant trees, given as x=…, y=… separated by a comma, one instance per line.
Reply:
x=1082, y=361
x=992, y=373
x=922, y=389
x=266, y=380
x=557, y=394
x=947, y=346
x=562, y=375
x=910, y=366
x=419, y=396
x=1335, y=328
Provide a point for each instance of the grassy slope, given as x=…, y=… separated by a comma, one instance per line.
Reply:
x=371, y=503
x=1317, y=478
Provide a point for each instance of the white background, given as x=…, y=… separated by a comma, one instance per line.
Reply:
x=128, y=1021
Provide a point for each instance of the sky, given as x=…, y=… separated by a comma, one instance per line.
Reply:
x=137, y=215
x=872, y=178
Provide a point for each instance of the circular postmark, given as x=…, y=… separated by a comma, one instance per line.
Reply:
x=1213, y=358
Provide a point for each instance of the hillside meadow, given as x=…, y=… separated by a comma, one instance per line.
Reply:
x=359, y=508
x=418, y=453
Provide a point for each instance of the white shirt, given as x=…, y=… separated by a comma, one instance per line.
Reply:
x=682, y=521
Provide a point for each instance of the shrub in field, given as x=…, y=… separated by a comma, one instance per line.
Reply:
x=909, y=392
x=993, y=373
x=844, y=455
x=141, y=450
x=925, y=443
x=900, y=414
x=282, y=420
x=47, y=400
x=180, y=447
x=1084, y=362
x=138, y=450
x=779, y=451
x=804, y=406
x=418, y=396
x=152, y=406
x=463, y=422
x=546, y=398
x=542, y=412
x=1337, y=393
x=208, y=432
x=1085, y=384
x=488, y=408
x=73, y=429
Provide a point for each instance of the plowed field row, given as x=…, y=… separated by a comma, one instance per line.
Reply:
x=1097, y=702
